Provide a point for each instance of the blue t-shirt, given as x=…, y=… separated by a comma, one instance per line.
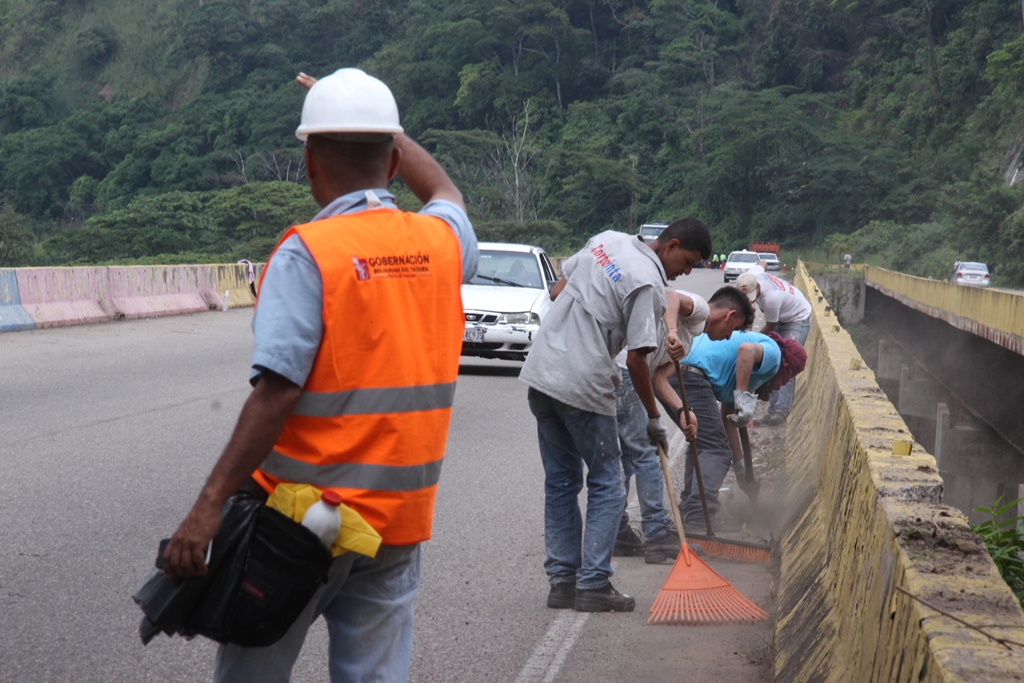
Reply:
x=288, y=323
x=718, y=361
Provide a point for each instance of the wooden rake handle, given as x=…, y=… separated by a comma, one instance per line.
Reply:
x=696, y=459
x=675, y=508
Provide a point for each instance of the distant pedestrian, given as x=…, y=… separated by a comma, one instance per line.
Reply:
x=847, y=260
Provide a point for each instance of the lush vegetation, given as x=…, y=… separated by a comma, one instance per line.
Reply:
x=140, y=130
x=1005, y=542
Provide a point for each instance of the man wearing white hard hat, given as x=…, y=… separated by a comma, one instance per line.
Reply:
x=787, y=313
x=358, y=330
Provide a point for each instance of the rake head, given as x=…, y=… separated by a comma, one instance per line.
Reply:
x=728, y=549
x=694, y=594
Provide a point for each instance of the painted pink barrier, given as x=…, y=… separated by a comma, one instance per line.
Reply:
x=147, y=291
x=64, y=296
x=75, y=296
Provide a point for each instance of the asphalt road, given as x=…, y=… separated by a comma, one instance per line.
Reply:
x=108, y=431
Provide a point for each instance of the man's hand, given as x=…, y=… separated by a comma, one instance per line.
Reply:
x=186, y=553
x=689, y=427
x=657, y=432
x=745, y=403
x=305, y=80
x=676, y=348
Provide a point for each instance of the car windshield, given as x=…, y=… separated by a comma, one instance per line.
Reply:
x=508, y=269
x=652, y=231
x=768, y=257
x=744, y=258
x=974, y=266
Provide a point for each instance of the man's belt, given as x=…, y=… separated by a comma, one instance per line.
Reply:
x=694, y=369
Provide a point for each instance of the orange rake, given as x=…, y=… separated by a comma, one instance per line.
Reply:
x=695, y=594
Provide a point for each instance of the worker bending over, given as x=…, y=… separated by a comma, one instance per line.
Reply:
x=729, y=370
x=687, y=316
x=787, y=313
x=611, y=296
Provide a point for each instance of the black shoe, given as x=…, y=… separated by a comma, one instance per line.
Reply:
x=627, y=544
x=763, y=421
x=664, y=548
x=776, y=420
x=603, y=599
x=562, y=595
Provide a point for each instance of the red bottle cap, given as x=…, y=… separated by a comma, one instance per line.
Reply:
x=331, y=498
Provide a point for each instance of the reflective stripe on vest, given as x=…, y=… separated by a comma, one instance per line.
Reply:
x=354, y=475
x=372, y=401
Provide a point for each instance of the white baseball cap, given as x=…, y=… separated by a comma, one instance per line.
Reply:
x=747, y=283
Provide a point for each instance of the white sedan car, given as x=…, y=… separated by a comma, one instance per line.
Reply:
x=739, y=262
x=506, y=300
x=970, y=273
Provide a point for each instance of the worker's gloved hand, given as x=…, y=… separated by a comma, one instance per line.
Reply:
x=657, y=432
x=745, y=404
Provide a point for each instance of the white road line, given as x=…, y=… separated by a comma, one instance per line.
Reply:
x=548, y=657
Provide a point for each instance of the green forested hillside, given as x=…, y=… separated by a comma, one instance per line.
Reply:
x=162, y=130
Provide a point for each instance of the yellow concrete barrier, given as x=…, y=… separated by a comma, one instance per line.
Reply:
x=866, y=520
x=996, y=315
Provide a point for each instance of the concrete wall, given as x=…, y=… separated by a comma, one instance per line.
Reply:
x=995, y=315
x=865, y=520
x=48, y=297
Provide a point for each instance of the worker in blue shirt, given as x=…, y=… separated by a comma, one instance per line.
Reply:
x=730, y=371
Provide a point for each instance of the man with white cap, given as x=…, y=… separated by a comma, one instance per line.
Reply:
x=787, y=313
x=358, y=330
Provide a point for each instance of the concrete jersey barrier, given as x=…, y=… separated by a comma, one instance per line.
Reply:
x=865, y=520
x=49, y=297
x=13, y=316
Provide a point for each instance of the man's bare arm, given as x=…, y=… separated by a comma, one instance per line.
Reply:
x=423, y=175
x=557, y=289
x=768, y=327
x=259, y=425
x=747, y=358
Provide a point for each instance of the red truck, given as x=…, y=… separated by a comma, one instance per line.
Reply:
x=764, y=247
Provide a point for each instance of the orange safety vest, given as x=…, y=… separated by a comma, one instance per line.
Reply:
x=373, y=417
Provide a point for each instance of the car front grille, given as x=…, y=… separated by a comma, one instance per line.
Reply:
x=481, y=317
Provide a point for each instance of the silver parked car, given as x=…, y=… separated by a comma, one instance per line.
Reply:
x=506, y=300
x=771, y=260
x=971, y=273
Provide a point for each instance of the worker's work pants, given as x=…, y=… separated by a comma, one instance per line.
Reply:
x=570, y=438
x=782, y=399
x=640, y=459
x=367, y=604
x=713, y=448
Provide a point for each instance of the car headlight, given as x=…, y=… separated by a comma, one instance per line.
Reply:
x=519, y=318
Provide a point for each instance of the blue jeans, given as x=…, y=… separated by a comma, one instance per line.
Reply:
x=713, y=449
x=640, y=458
x=782, y=399
x=569, y=439
x=368, y=606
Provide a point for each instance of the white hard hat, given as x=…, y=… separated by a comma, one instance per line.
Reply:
x=348, y=101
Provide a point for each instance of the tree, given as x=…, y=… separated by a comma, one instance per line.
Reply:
x=16, y=238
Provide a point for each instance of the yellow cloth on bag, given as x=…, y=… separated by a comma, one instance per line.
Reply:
x=292, y=500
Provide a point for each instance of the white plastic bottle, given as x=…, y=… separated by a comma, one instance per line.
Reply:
x=324, y=518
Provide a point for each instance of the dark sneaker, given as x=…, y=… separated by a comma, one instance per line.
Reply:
x=763, y=421
x=627, y=544
x=562, y=595
x=603, y=599
x=776, y=420
x=662, y=549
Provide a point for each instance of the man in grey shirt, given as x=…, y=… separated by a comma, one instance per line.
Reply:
x=611, y=296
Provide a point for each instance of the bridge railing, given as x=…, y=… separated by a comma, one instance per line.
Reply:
x=867, y=517
x=990, y=313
